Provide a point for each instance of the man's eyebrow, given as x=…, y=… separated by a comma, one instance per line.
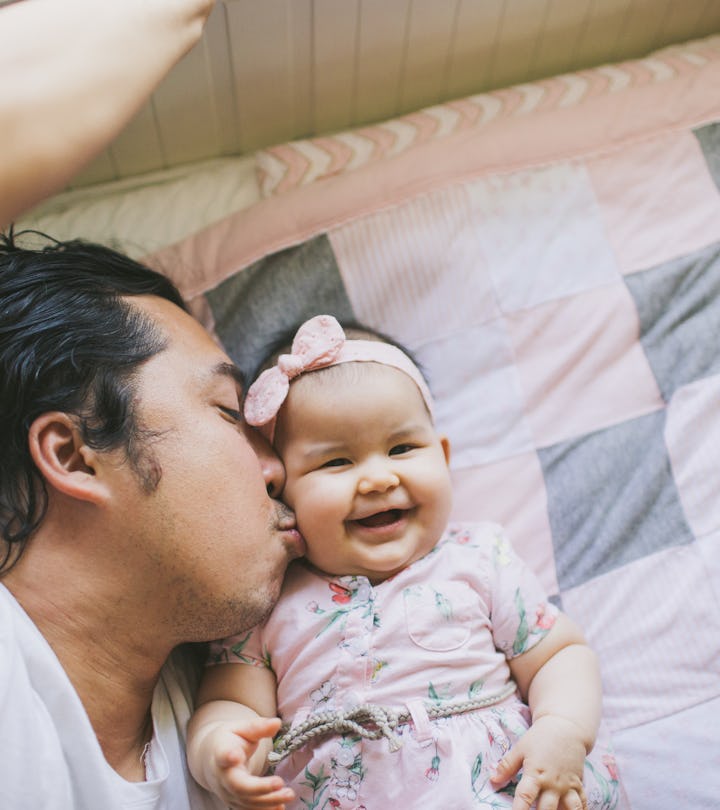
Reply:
x=224, y=369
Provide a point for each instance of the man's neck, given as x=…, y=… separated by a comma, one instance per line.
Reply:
x=113, y=675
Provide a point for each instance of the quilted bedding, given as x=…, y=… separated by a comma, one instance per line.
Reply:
x=556, y=268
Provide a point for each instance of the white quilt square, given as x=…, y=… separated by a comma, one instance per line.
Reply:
x=532, y=257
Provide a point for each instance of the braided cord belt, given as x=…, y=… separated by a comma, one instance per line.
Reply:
x=370, y=721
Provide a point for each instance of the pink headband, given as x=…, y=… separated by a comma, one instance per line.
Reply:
x=319, y=343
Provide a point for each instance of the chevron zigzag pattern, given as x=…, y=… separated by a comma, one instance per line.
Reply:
x=298, y=163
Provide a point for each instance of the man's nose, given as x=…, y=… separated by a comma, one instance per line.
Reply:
x=376, y=477
x=272, y=468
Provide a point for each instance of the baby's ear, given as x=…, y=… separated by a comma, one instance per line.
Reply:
x=62, y=457
x=445, y=442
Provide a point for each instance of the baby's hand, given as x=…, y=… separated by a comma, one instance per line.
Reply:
x=230, y=747
x=552, y=757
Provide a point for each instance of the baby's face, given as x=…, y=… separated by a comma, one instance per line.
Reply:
x=367, y=475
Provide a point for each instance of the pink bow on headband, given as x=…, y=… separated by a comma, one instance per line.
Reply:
x=316, y=345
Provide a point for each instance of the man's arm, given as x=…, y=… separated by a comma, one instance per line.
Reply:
x=72, y=74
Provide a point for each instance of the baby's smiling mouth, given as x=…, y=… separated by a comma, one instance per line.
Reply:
x=380, y=519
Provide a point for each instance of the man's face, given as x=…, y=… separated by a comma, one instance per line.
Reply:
x=208, y=535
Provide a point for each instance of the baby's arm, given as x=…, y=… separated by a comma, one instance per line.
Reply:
x=230, y=736
x=560, y=679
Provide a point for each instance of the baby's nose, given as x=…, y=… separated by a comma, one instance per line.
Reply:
x=377, y=478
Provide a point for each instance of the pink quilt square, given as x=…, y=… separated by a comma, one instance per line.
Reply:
x=659, y=651
x=416, y=268
x=479, y=404
x=657, y=773
x=709, y=547
x=657, y=198
x=511, y=492
x=541, y=234
x=692, y=435
x=581, y=364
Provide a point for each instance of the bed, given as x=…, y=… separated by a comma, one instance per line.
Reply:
x=551, y=253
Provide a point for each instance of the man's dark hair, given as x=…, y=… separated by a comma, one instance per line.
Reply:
x=69, y=342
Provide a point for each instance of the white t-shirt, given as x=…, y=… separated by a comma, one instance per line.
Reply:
x=49, y=755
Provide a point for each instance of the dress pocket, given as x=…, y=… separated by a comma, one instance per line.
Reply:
x=438, y=616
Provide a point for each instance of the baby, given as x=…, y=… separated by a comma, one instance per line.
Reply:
x=409, y=660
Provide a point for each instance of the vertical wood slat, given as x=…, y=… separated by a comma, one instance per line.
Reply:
x=476, y=30
x=555, y=51
x=429, y=40
x=381, y=48
x=709, y=22
x=216, y=52
x=600, y=37
x=187, y=133
x=138, y=148
x=682, y=22
x=641, y=27
x=271, y=69
x=335, y=35
x=522, y=22
x=100, y=170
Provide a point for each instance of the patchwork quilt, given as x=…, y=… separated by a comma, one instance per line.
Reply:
x=556, y=269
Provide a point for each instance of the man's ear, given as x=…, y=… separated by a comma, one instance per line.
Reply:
x=445, y=442
x=64, y=460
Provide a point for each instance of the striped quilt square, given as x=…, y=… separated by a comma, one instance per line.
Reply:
x=658, y=650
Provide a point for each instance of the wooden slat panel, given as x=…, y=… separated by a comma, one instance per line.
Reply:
x=555, y=52
x=709, y=22
x=272, y=71
x=522, y=22
x=599, y=39
x=640, y=30
x=101, y=170
x=300, y=45
x=137, y=149
x=383, y=29
x=682, y=21
x=476, y=30
x=187, y=131
x=335, y=38
x=216, y=52
x=429, y=38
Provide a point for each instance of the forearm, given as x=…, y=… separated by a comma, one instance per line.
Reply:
x=208, y=718
x=72, y=74
x=568, y=686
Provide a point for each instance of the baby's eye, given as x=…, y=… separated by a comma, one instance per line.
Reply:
x=335, y=462
x=399, y=449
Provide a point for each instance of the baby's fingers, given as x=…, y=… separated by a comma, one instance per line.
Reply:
x=508, y=766
x=573, y=800
x=257, y=791
x=527, y=791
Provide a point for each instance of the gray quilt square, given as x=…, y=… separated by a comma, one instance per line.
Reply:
x=679, y=307
x=258, y=304
x=709, y=138
x=611, y=499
